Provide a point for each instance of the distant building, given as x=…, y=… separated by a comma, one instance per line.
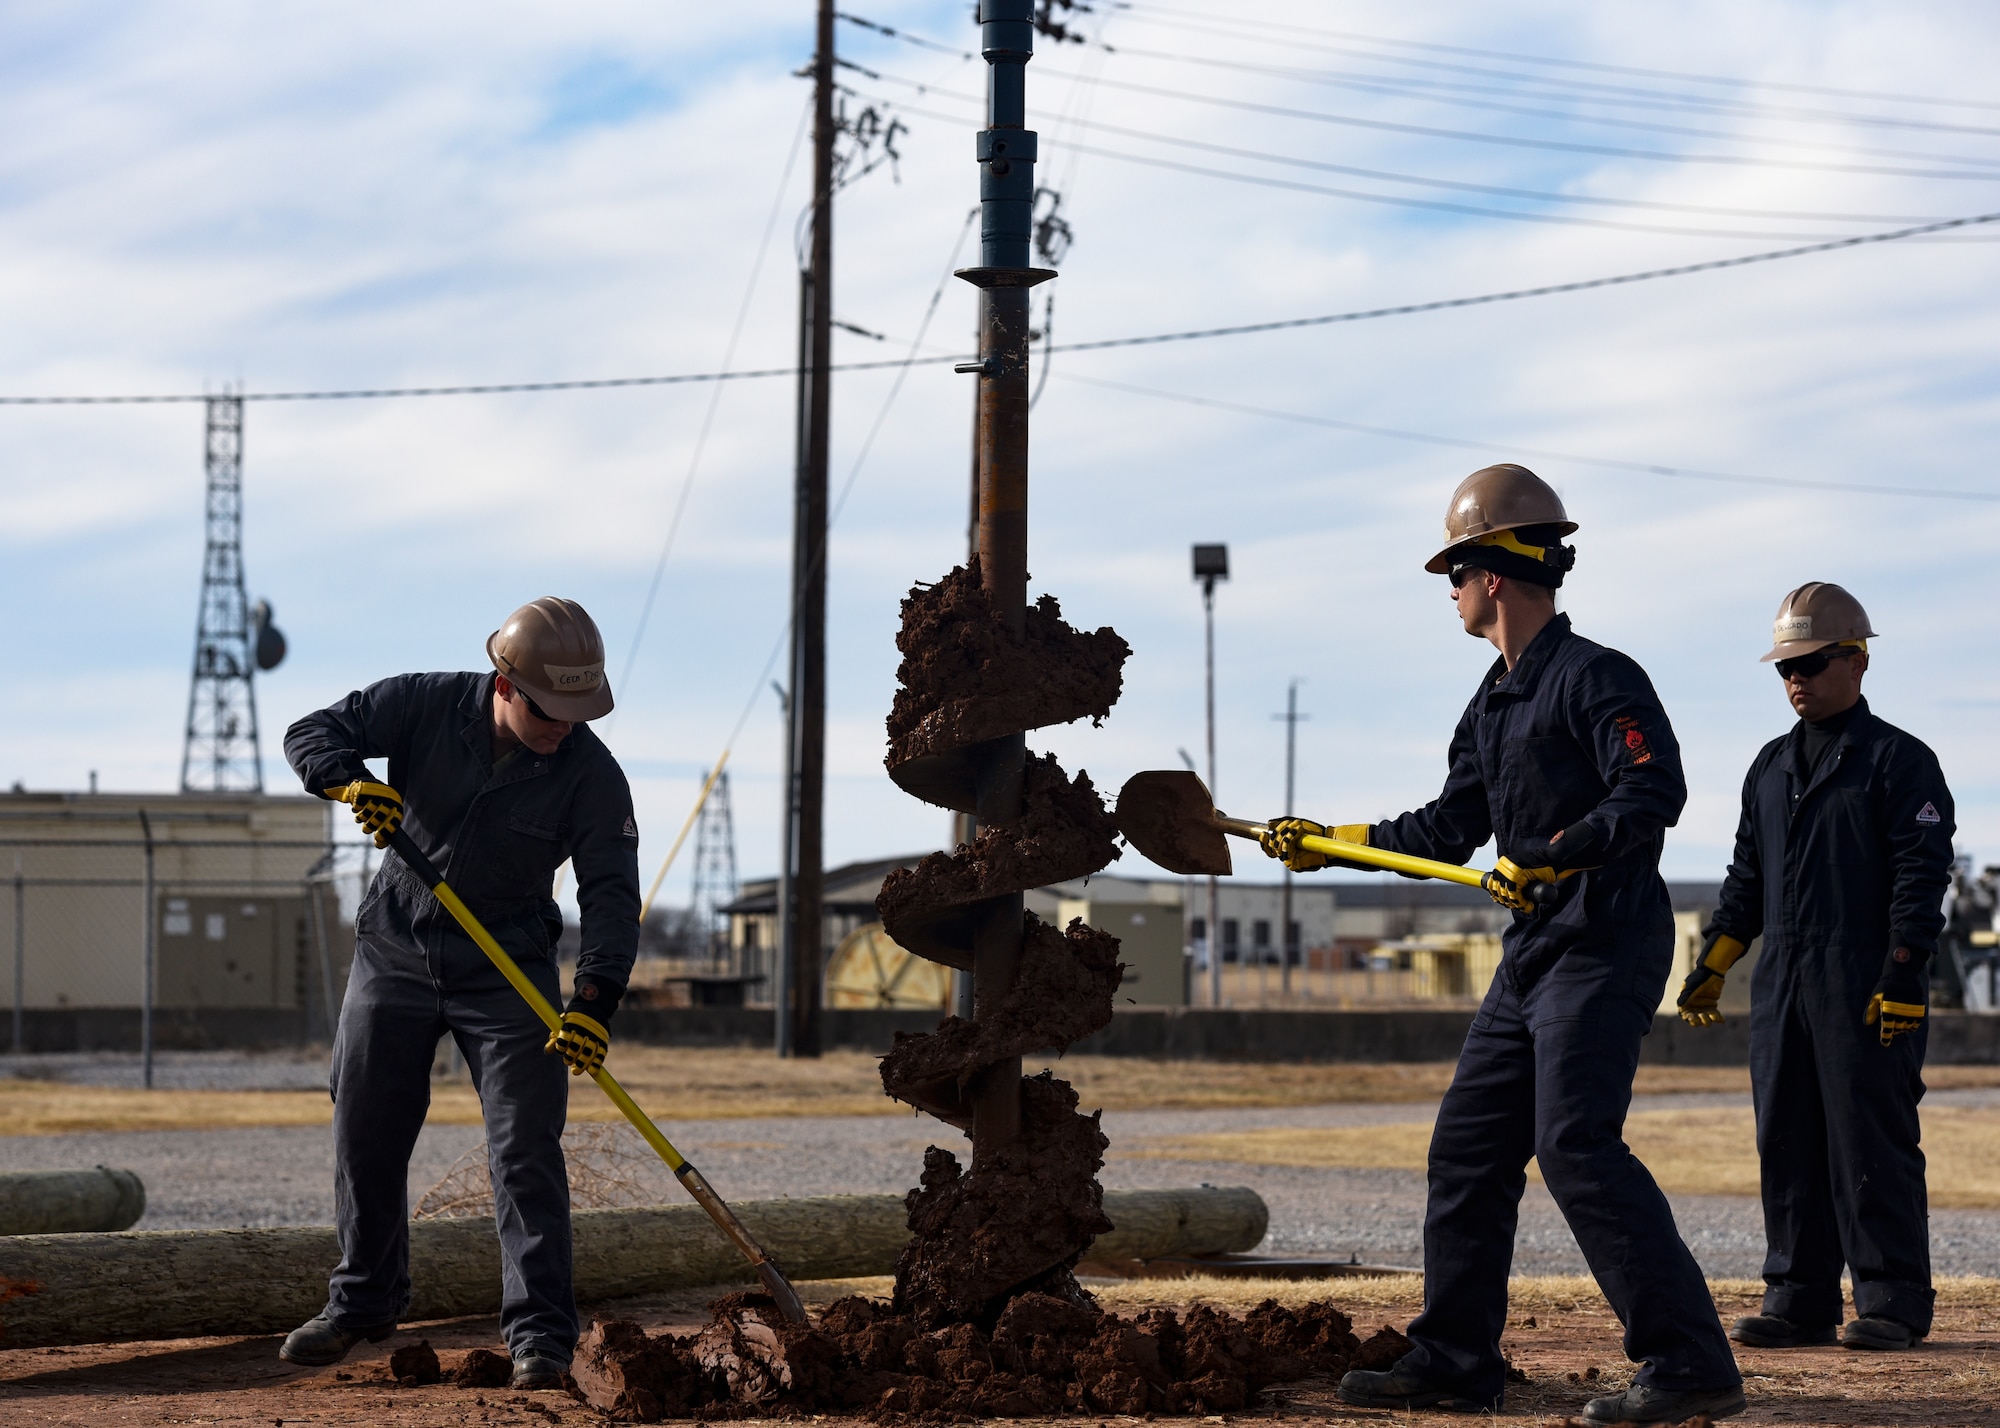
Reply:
x=228, y=880
x=1440, y=931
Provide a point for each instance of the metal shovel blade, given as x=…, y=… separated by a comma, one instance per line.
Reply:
x=1168, y=816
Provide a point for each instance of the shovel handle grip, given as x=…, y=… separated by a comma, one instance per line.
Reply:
x=1540, y=894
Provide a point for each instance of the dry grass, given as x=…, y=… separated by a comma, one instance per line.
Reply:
x=1697, y=1152
x=687, y=1083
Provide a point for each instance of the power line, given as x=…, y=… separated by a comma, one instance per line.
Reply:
x=1598, y=93
x=1140, y=10
x=1518, y=294
x=1416, y=88
x=1102, y=344
x=1390, y=176
x=1644, y=467
x=1321, y=77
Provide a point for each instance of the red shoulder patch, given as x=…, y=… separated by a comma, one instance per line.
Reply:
x=1635, y=738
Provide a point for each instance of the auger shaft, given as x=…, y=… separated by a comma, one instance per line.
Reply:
x=1006, y=154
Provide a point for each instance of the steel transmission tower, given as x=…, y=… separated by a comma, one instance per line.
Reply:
x=221, y=753
x=714, y=870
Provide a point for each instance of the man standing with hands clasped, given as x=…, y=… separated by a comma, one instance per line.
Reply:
x=1565, y=758
x=504, y=781
x=1843, y=855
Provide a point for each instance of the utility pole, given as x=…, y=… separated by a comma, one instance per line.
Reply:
x=801, y=920
x=1211, y=563
x=1286, y=942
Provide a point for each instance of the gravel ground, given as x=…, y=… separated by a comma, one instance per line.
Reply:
x=205, y=1179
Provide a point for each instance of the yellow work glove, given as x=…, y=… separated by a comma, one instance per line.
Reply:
x=1281, y=840
x=1897, y=1005
x=1508, y=883
x=581, y=1041
x=378, y=808
x=1702, y=990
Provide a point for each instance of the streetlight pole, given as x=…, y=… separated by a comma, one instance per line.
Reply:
x=1211, y=563
x=1291, y=716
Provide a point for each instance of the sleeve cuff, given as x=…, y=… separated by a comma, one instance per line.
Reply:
x=1918, y=943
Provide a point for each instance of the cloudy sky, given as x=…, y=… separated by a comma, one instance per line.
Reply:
x=336, y=196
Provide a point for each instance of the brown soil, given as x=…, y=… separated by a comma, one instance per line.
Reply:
x=1560, y=1336
x=1063, y=833
x=1045, y=1354
x=965, y=679
x=1062, y=994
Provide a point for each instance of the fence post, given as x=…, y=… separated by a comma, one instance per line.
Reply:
x=317, y=912
x=20, y=958
x=146, y=991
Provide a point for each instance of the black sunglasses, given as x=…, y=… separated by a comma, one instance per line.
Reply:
x=536, y=709
x=1805, y=666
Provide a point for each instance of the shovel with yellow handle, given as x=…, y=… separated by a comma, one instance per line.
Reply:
x=389, y=834
x=1168, y=816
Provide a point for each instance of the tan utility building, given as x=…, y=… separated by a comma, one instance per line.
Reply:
x=228, y=878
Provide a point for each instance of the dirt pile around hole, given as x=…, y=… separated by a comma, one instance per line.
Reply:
x=1063, y=832
x=1045, y=1354
x=965, y=679
x=1063, y=994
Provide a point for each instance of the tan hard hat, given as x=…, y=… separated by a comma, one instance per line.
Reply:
x=1814, y=616
x=1494, y=499
x=551, y=649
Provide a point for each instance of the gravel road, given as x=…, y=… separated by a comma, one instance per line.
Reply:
x=282, y=1176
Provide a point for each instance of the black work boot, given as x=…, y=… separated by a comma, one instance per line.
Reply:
x=534, y=1369
x=1768, y=1331
x=319, y=1341
x=1401, y=1387
x=1642, y=1403
x=1872, y=1331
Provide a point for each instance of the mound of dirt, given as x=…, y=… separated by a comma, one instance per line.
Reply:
x=1045, y=1354
x=964, y=678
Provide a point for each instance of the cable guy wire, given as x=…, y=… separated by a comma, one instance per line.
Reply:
x=715, y=396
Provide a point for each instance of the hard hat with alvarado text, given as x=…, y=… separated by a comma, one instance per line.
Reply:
x=1485, y=511
x=1816, y=615
x=551, y=649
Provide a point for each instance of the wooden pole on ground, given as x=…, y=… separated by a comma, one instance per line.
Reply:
x=173, y=1284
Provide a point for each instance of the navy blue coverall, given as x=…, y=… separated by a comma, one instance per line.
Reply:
x=1573, y=732
x=498, y=834
x=1836, y=867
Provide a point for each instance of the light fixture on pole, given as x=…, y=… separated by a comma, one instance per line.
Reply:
x=1211, y=563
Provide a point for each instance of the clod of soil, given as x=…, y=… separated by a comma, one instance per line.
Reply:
x=1063, y=832
x=416, y=1364
x=1062, y=994
x=1045, y=1354
x=482, y=1368
x=965, y=679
